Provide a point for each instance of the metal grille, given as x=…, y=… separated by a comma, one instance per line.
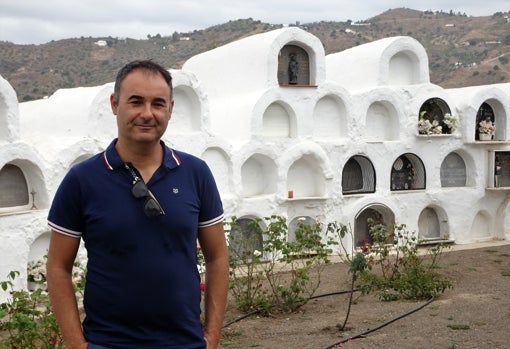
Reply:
x=407, y=173
x=358, y=176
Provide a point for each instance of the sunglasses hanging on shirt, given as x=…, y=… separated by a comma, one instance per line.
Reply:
x=151, y=206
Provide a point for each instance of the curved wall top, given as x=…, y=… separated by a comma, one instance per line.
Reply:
x=379, y=63
x=251, y=64
x=63, y=114
x=9, y=115
x=469, y=100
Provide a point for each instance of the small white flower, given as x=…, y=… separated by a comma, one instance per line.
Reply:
x=257, y=253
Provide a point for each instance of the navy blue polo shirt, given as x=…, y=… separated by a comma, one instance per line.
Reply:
x=143, y=286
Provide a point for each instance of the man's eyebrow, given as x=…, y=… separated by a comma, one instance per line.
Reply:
x=157, y=99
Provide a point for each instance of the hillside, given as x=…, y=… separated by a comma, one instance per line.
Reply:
x=463, y=51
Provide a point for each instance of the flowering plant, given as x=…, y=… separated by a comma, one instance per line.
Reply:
x=450, y=121
x=36, y=272
x=487, y=127
x=425, y=127
x=435, y=127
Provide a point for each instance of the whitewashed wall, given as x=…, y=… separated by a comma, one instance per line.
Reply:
x=262, y=139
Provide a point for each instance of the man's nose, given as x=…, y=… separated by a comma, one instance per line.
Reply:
x=147, y=110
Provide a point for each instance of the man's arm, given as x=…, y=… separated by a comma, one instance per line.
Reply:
x=61, y=256
x=214, y=247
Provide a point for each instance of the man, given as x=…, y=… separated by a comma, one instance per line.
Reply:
x=140, y=208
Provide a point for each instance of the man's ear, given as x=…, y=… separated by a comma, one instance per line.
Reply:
x=114, y=103
x=170, y=110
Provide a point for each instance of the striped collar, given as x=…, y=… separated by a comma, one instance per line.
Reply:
x=113, y=161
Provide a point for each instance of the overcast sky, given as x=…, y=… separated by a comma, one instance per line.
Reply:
x=40, y=21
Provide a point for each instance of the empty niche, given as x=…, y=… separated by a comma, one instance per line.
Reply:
x=218, y=162
x=187, y=110
x=453, y=171
x=293, y=66
x=436, y=112
x=382, y=122
x=329, y=118
x=404, y=69
x=429, y=225
x=481, y=227
x=490, y=115
x=358, y=176
x=305, y=178
x=14, y=191
x=299, y=223
x=370, y=216
x=407, y=173
x=245, y=237
x=258, y=176
x=276, y=122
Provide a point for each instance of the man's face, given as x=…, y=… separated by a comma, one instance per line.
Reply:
x=143, y=107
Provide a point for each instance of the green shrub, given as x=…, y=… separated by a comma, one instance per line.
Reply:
x=397, y=269
x=267, y=270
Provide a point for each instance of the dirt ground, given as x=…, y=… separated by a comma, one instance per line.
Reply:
x=475, y=313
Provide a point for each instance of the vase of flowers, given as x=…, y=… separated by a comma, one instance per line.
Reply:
x=486, y=130
x=36, y=275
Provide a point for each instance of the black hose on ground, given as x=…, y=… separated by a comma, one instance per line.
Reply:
x=256, y=311
x=362, y=334
x=370, y=330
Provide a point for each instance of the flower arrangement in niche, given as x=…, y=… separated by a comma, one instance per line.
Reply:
x=486, y=127
x=426, y=127
x=447, y=125
x=36, y=272
x=450, y=121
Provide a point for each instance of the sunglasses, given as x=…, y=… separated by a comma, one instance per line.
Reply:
x=151, y=206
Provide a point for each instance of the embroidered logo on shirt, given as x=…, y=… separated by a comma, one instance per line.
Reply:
x=175, y=191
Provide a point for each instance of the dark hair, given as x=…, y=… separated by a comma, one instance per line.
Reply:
x=147, y=65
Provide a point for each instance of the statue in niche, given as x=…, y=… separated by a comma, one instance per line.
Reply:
x=293, y=69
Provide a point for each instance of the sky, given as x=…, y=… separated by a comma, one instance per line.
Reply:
x=40, y=21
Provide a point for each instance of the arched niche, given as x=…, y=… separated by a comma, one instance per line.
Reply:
x=481, y=226
x=245, y=236
x=14, y=189
x=298, y=222
x=277, y=122
x=377, y=214
x=383, y=122
x=330, y=118
x=293, y=66
x=491, y=111
x=219, y=164
x=259, y=176
x=404, y=69
x=437, y=112
x=305, y=178
x=186, y=114
x=432, y=224
x=358, y=176
x=39, y=248
x=407, y=173
x=453, y=171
